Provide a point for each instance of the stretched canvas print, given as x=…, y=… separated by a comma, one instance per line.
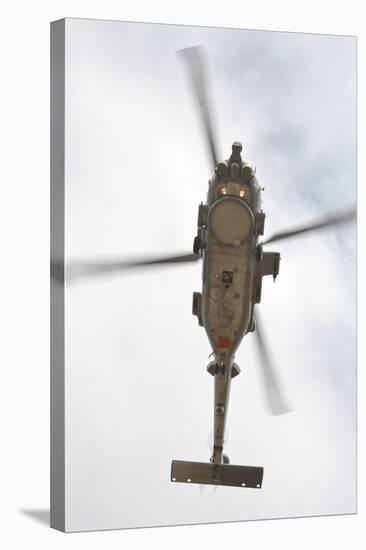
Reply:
x=209, y=171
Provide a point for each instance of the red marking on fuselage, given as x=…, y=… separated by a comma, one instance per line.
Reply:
x=223, y=342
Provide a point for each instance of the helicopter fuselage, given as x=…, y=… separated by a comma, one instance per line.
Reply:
x=229, y=226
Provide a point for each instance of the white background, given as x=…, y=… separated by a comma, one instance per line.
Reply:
x=132, y=349
x=25, y=249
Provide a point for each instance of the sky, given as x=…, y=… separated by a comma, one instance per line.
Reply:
x=137, y=391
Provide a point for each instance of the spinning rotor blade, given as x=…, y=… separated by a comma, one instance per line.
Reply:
x=275, y=399
x=76, y=270
x=196, y=67
x=320, y=224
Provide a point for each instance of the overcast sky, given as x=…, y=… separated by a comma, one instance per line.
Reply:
x=137, y=392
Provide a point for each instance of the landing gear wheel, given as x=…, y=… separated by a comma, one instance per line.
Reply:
x=259, y=253
x=225, y=459
x=196, y=245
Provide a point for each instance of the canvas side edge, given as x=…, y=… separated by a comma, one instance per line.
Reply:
x=57, y=297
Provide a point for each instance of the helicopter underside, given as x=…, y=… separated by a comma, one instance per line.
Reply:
x=227, y=304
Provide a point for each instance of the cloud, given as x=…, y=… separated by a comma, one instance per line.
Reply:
x=137, y=391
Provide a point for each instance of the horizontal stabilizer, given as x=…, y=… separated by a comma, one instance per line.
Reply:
x=213, y=474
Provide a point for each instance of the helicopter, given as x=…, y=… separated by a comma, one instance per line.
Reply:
x=229, y=243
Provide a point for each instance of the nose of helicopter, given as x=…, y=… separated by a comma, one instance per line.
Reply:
x=236, y=149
